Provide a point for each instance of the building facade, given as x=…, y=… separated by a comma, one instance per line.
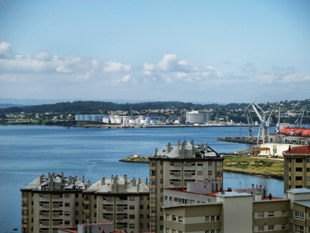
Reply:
x=53, y=202
x=235, y=212
x=125, y=202
x=297, y=167
x=175, y=166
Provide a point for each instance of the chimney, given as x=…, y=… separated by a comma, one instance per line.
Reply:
x=156, y=150
x=270, y=196
x=125, y=179
x=83, y=179
x=103, y=181
x=253, y=186
x=88, y=183
x=134, y=182
x=70, y=180
x=41, y=178
x=51, y=184
x=49, y=175
x=169, y=147
x=202, y=147
x=192, y=142
x=179, y=142
x=112, y=178
x=146, y=181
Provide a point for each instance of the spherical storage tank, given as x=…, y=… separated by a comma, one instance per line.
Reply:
x=195, y=117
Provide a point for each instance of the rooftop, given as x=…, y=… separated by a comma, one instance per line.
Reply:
x=186, y=150
x=300, y=190
x=55, y=182
x=233, y=194
x=305, y=203
x=298, y=150
x=119, y=185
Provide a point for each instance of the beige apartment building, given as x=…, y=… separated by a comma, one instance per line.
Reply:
x=175, y=166
x=53, y=202
x=125, y=202
x=297, y=167
x=235, y=212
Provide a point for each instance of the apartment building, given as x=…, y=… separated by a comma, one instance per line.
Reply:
x=52, y=202
x=297, y=167
x=238, y=212
x=176, y=165
x=125, y=202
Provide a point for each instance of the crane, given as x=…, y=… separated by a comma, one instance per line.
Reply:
x=300, y=117
x=264, y=118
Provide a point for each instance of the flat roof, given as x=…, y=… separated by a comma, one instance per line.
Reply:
x=301, y=190
x=305, y=203
x=233, y=194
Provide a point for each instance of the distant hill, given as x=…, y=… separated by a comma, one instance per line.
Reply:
x=101, y=106
x=95, y=106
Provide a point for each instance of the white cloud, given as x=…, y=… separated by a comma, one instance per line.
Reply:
x=170, y=63
x=5, y=49
x=112, y=66
x=42, y=56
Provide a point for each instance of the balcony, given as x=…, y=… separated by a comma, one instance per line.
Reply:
x=57, y=214
x=57, y=223
x=57, y=205
x=44, y=214
x=45, y=205
x=44, y=223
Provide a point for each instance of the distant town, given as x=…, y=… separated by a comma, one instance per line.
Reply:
x=95, y=113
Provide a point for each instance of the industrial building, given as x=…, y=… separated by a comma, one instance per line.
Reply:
x=196, y=117
x=176, y=165
x=297, y=167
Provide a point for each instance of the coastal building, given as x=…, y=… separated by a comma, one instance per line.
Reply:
x=239, y=212
x=125, y=202
x=174, y=166
x=52, y=202
x=297, y=167
x=196, y=117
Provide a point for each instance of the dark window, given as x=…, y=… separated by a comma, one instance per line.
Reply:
x=298, y=177
x=299, y=169
x=298, y=160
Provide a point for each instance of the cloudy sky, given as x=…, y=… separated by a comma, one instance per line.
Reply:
x=203, y=51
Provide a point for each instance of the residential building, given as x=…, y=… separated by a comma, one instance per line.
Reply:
x=53, y=202
x=297, y=167
x=176, y=165
x=235, y=212
x=125, y=202
x=106, y=227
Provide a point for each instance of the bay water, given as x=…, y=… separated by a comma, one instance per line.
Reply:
x=26, y=152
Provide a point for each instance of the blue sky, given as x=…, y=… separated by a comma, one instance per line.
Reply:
x=203, y=51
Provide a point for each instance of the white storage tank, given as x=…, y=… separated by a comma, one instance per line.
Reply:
x=106, y=120
x=195, y=117
x=148, y=119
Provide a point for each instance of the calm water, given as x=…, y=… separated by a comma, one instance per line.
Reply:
x=28, y=151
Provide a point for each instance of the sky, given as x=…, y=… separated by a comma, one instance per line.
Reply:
x=192, y=51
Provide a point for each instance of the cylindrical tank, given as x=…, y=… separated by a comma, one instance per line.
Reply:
x=82, y=117
x=195, y=117
x=138, y=120
x=148, y=119
x=112, y=119
x=105, y=120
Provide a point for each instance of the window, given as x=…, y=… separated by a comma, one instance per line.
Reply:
x=217, y=218
x=210, y=173
x=212, y=218
x=299, y=169
x=67, y=213
x=67, y=204
x=271, y=214
x=260, y=214
x=299, y=229
x=207, y=218
x=270, y=227
x=298, y=177
x=174, y=218
x=131, y=207
x=283, y=227
x=180, y=219
x=298, y=160
x=260, y=228
x=67, y=222
x=299, y=215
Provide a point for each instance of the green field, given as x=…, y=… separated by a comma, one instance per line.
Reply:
x=264, y=166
